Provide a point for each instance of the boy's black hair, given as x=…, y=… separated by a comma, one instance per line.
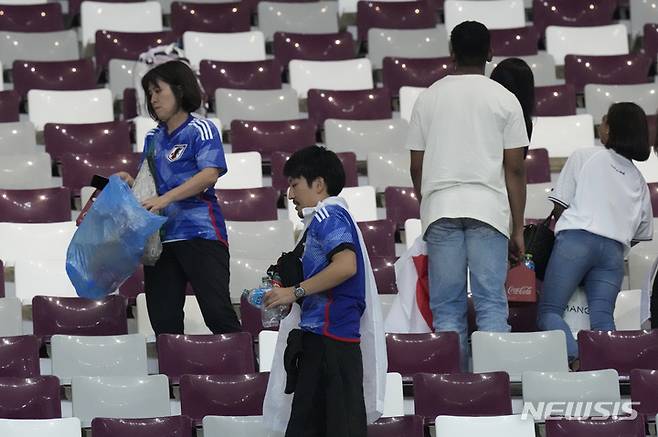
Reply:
x=516, y=76
x=317, y=162
x=471, y=44
x=180, y=77
x=629, y=131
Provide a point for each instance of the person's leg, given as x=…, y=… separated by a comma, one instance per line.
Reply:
x=602, y=284
x=206, y=266
x=569, y=263
x=486, y=253
x=164, y=285
x=446, y=252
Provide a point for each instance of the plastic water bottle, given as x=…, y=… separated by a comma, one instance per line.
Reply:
x=270, y=317
x=528, y=262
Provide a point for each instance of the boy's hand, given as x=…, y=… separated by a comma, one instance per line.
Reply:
x=279, y=296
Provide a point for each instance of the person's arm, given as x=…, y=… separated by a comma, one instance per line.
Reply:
x=515, y=180
x=198, y=183
x=416, y=169
x=341, y=268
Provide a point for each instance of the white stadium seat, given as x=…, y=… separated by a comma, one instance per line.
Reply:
x=495, y=14
x=351, y=74
x=592, y=40
x=120, y=17
x=86, y=106
x=236, y=46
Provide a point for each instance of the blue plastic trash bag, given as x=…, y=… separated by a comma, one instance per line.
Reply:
x=107, y=247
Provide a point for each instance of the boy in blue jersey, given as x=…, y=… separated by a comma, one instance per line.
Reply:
x=328, y=399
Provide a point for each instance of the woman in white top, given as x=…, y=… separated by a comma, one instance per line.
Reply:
x=602, y=205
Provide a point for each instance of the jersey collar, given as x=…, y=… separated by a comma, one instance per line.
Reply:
x=190, y=117
x=309, y=213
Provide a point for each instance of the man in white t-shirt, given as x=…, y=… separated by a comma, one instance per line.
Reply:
x=466, y=137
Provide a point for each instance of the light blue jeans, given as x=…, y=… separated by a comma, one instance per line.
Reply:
x=453, y=246
x=579, y=256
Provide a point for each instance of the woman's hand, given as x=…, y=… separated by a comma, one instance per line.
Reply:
x=156, y=204
x=279, y=296
x=125, y=176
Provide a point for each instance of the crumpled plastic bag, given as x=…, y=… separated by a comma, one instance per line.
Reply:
x=107, y=247
x=143, y=189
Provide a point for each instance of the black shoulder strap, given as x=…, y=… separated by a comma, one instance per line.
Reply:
x=299, y=249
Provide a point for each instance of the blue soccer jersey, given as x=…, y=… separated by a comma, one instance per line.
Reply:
x=193, y=146
x=335, y=313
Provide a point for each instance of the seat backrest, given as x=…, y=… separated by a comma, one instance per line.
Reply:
x=172, y=426
x=193, y=322
x=496, y=14
x=19, y=356
x=611, y=427
x=266, y=345
x=370, y=104
x=411, y=43
x=53, y=75
x=417, y=72
x=210, y=17
x=126, y=397
x=379, y=237
x=25, y=171
x=389, y=169
x=236, y=46
x=493, y=426
x=541, y=64
x=408, y=426
x=78, y=169
x=581, y=70
x=409, y=354
x=522, y=41
x=361, y=202
x=401, y=205
x=555, y=100
x=408, y=97
x=412, y=230
x=632, y=350
x=36, y=397
x=253, y=75
x=313, y=47
x=257, y=105
x=246, y=273
x=250, y=204
x=88, y=106
x=266, y=137
x=516, y=352
x=244, y=171
x=103, y=138
x=537, y=166
x=265, y=240
x=562, y=135
x=383, y=267
x=595, y=40
x=40, y=46
x=644, y=383
x=17, y=138
x=123, y=17
x=236, y=426
x=309, y=18
x=365, y=136
x=11, y=316
x=394, y=15
x=572, y=13
x=598, y=98
x=20, y=239
x=46, y=17
x=350, y=74
x=66, y=427
x=649, y=168
x=46, y=205
x=110, y=44
x=35, y=277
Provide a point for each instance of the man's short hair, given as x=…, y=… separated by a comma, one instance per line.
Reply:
x=317, y=162
x=471, y=43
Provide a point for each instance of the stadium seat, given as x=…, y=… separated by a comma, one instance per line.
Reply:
x=87, y=106
x=266, y=137
x=262, y=239
x=562, y=135
x=9, y=104
x=361, y=202
x=225, y=354
x=45, y=205
x=11, y=316
x=401, y=204
x=410, y=354
x=40, y=46
x=66, y=427
x=17, y=138
x=492, y=426
x=408, y=426
x=393, y=15
x=642, y=13
x=347, y=75
x=111, y=137
x=127, y=45
x=108, y=355
x=408, y=43
x=250, y=316
x=379, y=237
x=610, y=427
x=632, y=350
x=125, y=397
x=235, y=426
x=244, y=171
x=248, y=75
x=193, y=322
x=235, y=46
x=34, y=277
x=389, y=169
x=522, y=317
x=649, y=168
x=383, y=267
x=46, y=17
x=250, y=204
x=541, y=388
x=36, y=397
x=495, y=14
x=266, y=346
x=74, y=5
x=222, y=395
x=78, y=169
x=412, y=230
x=598, y=98
x=611, y=70
x=644, y=383
x=461, y=394
x=414, y=72
x=19, y=356
x=25, y=171
x=517, y=352
x=408, y=96
x=256, y=105
x=313, y=47
x=120, y=77
x=537, y=204
x=365, y=136
x=53, y=75
x=133, y=286
x=650, y=40
x=122, y=17
x=522, y=41
x=246, y=273
x=537, y=166
x=299, y=18
x=555, y=100
x=586, y=41
x=19, y=241
x=541, y=64
x=78, y=316
x=209, y=17
x=572, y=13
x=393, y=397
x=2, y=281
x=171, y=426
x=370, y=104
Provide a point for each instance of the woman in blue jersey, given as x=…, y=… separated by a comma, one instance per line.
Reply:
x=187, y=157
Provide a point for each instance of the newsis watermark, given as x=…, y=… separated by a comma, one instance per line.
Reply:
x=540, y=411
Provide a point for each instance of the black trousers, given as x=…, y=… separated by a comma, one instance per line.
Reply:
x=205, y=265
x=328, y=399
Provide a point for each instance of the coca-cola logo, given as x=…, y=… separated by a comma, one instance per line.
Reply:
x=520, y=291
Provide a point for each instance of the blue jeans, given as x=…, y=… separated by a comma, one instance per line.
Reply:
x=579, y=256
x=453, y=246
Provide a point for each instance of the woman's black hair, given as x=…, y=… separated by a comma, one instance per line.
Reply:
x=516, y=76
x=628, y=131
x=317, y=162
x=180, y=77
